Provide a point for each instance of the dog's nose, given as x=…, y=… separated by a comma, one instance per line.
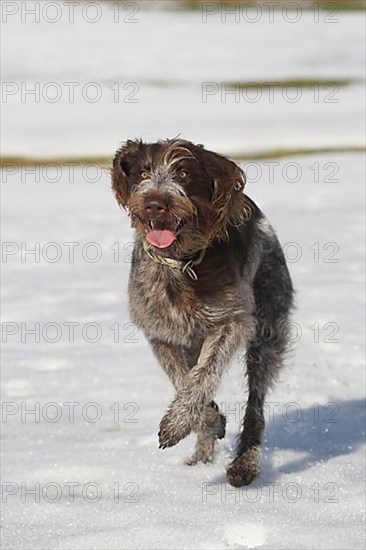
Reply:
x=155, y=206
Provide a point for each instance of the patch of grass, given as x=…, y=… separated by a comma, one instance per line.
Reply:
x=345, y=5
x=161, y=83
x=105, y=162
x=263, y=84
x=300, y=82
x=326, y=5
x=280, y=153
x=17, y=161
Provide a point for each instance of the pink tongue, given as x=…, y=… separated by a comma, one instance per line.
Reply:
x=160, y=239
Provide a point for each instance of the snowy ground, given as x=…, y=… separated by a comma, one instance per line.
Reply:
x=310, y=494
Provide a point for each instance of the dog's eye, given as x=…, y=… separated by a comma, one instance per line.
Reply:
x=144, y=175
x=183, y=174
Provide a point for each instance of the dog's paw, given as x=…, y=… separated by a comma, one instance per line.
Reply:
x=205, y=450
x=199, y=457
x=214, y=423
x=244, y=469
x=175, y=425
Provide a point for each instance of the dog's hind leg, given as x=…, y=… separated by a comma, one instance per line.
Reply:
x=273, y=297
x=214, y=426
x=213, y=429
x=262, y=362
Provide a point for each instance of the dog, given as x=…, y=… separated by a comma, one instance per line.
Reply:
x=208, y=278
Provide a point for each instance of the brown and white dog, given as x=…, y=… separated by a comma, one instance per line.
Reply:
x=208, y=276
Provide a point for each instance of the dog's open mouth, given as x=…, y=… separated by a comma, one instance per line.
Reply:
x=162, y=237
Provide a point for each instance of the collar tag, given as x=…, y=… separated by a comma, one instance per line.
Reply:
x=187, y=268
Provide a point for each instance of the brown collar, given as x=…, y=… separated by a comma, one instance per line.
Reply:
x=185, y=266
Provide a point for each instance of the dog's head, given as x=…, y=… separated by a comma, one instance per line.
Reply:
x=180, y=197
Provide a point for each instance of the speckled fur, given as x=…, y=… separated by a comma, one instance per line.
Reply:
x=241, y=299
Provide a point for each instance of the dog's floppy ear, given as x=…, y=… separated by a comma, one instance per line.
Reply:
x=122, y=161
x=228, y=186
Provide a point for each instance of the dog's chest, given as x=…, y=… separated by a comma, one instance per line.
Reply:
x=166, y=306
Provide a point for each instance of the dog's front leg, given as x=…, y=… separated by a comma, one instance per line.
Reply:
x=186, y=412
x=173, y=361
x=177, y=363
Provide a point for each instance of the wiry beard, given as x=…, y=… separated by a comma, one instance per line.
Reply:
x=181, y=215
x=199, y=220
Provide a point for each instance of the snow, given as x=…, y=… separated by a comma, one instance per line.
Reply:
x=98, y=397
x=310, y=494
x=158, y=66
